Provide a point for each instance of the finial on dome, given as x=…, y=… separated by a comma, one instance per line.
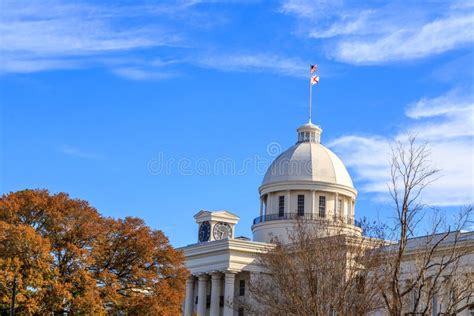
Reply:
x=309, y=133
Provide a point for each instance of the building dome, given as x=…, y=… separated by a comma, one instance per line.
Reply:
x=308, y=182
x=308, y=160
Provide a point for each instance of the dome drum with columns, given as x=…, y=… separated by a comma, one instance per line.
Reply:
x=307, y=182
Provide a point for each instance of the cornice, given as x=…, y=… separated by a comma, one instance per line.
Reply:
x=306, y=185
x=223, y=245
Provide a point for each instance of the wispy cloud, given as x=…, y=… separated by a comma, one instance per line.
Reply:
x=134, y=73
x=256, y=63
x=389, y=33
x=55, y=34
x=446, y=123
x=42, y=35
x=77, y=152
x=16, y=64
x=408, y=43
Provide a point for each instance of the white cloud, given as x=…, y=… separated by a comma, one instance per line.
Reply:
x=446, y=123
x=55, y=34
x=410, y=42
x=387, y=33
x=28, y=65
x=134, y=73
x=309, y=8
x=449, y=103
x=256, y=63
x=41, y=35
x=76, y=152
x=455, y=107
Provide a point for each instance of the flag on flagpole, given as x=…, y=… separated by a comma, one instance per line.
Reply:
x=314, y=80
x=313, y=68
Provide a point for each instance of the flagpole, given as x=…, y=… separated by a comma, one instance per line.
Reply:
x=310, y=95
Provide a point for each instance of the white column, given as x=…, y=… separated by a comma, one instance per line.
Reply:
x=352, y=211
x=313, y=203
x=261, y=206
x=188, y=300
x=270, y=203
x=216, y=278
x=288, y=202
x=336, y=197
x=202, y=294
x=349, y=207
x=229, y=293
x=265, y=204
x=349, y=210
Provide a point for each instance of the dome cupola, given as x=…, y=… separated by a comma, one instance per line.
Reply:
x=309, y=133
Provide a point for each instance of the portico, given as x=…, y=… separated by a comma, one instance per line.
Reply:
x=218, y=270
x=207, y=293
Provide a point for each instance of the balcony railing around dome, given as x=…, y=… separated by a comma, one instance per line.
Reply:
x=305, y=216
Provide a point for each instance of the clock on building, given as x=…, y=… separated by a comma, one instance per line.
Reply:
x=215, y=225
x=204, y=231
x=222, y=230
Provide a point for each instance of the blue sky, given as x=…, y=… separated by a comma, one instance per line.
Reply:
x=98, y=96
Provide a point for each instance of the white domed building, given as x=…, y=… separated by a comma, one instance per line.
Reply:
x=307, y=182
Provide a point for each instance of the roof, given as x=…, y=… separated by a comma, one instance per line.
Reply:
x=308, y=161
x=443, y=239
x=226, y=216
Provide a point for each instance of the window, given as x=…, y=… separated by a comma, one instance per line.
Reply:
x=242, y=288
x=281, y=205
x=360, y=284
x=208, y=301
x=339, y=207
x=434, y=304
x=196, y=301
x=300, y=209
x=241, y=311
x=221, y=301
x=322, y=206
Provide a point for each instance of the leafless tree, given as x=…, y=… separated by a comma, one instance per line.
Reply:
x=313, y=276
x=423, y=274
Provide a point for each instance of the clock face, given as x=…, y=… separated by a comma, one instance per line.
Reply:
x=222, y=230
x=204, y=231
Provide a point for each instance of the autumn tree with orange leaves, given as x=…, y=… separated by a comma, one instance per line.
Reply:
x=60, y=255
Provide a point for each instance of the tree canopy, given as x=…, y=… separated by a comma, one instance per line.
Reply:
x=61, y=254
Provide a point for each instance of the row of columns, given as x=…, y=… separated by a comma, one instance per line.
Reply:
x=216, y=282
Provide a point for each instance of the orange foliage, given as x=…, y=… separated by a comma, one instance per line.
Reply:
x=65, y=256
